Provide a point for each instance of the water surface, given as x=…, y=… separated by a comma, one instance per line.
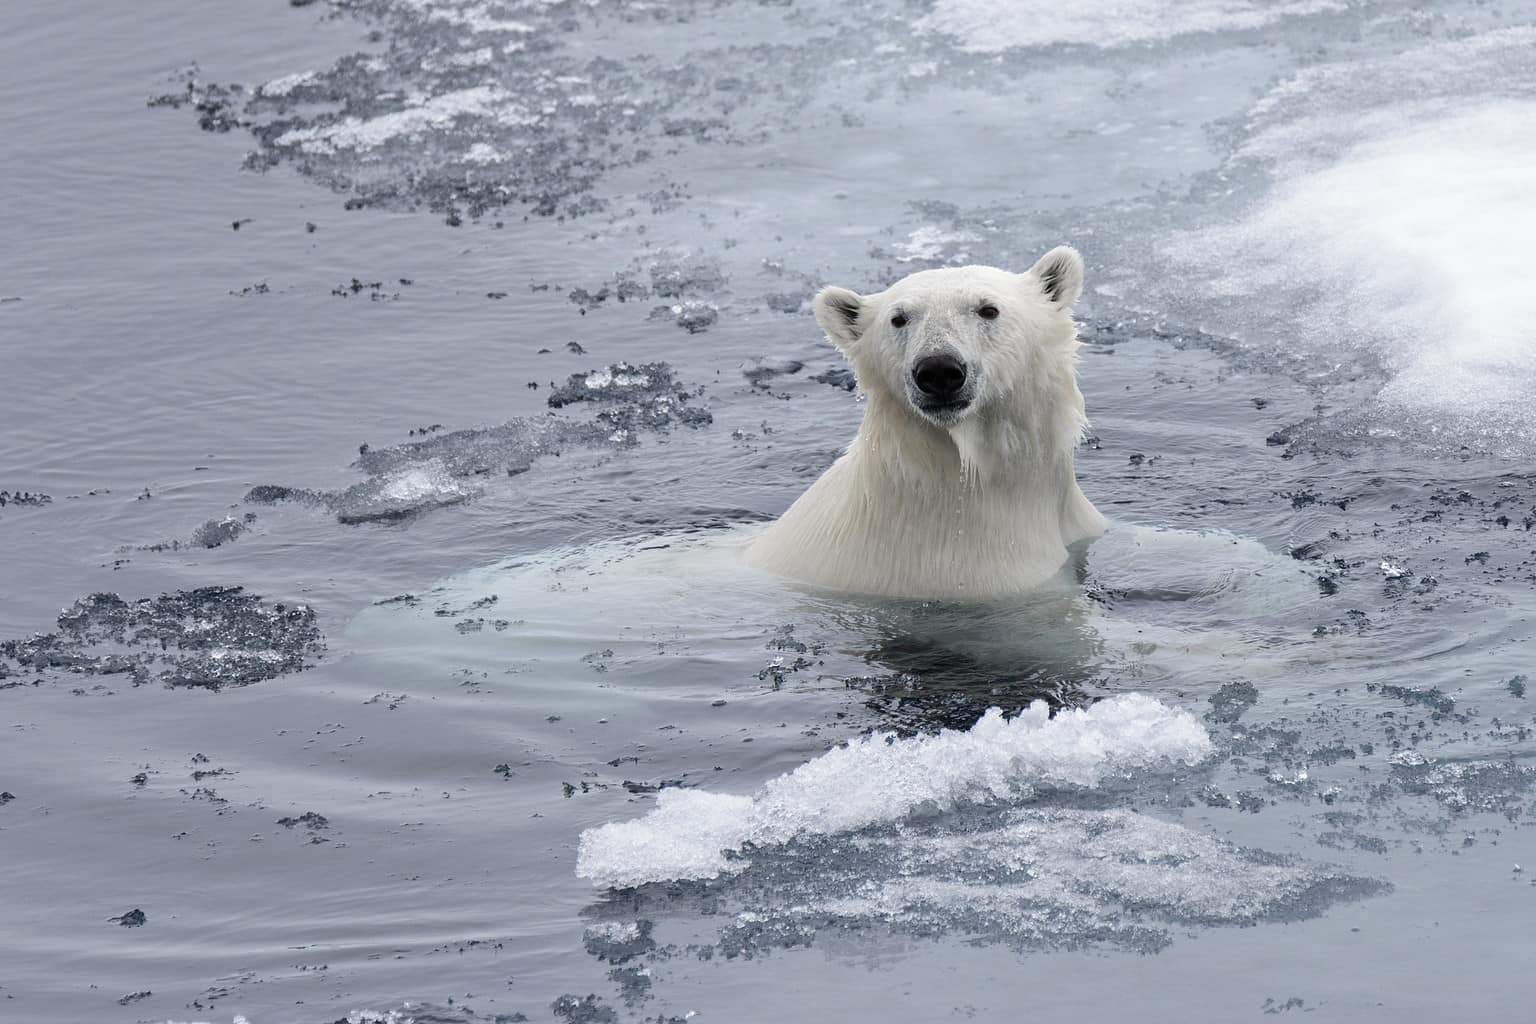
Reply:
x=419, y=321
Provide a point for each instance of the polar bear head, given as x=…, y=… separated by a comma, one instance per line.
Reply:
x=966, y=348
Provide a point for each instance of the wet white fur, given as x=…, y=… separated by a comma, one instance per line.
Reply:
x=981, y=507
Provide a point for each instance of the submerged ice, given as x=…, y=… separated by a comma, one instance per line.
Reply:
x=1029, y=878
x=998, y=834
x=881, y=779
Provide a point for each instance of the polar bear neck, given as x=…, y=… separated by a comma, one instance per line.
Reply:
x=913, y=510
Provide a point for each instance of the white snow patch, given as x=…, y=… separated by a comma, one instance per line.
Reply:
x=1395, y=225
x=437, y=112
x=991, y=26
x=286, y=84
x=1414, y=247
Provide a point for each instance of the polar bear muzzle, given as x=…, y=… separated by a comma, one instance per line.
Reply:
x=940, y=381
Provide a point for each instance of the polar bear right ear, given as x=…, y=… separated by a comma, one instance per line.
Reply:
x=840, y=312
x=1060, y=275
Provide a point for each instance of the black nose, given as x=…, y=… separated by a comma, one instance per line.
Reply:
x=939, y=376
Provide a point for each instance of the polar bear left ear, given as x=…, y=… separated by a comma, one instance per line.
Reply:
x=840, y=312
x=1060, y=275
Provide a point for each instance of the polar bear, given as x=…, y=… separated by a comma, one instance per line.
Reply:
x=937, y=547
x=960, y=483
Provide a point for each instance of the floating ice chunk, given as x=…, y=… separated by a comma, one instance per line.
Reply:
x=430, y=481
x=1502, y=786
x=401, y=493
x=987, y=26
x=880, y=779
x=692, y=316
x=929, y=243
x=286, y=84
x=407, y=1015
x=617, y=940
x=615, y=376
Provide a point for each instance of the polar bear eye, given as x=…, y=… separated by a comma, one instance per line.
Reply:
x=899, y=320
x=987, y=312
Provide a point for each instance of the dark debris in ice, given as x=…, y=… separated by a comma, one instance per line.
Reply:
x=448, y=468
x=618, y=942
x=682, y=277
x=693, y=316
x=588, y=1009
x=217, y=532
x=1487, y=786
x=1431, y=697
x=528, y=122
x=787, y=302
x=647, y=394
x=211, y=637
x=309, y=820
x=24, y=499
x=380, y=498
x=634, y=983
x=211, y=534
x=1275, y=1006
x=1230, y=702
x=837, y=377
x=760, y=371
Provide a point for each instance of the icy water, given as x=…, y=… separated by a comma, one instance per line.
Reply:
x=382, y=377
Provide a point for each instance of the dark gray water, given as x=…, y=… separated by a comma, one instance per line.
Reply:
x=350, y=346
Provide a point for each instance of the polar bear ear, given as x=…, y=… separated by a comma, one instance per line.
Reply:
x=839, y=311
x=1060, y=275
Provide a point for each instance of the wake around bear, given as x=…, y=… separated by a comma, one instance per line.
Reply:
x=960, y=483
